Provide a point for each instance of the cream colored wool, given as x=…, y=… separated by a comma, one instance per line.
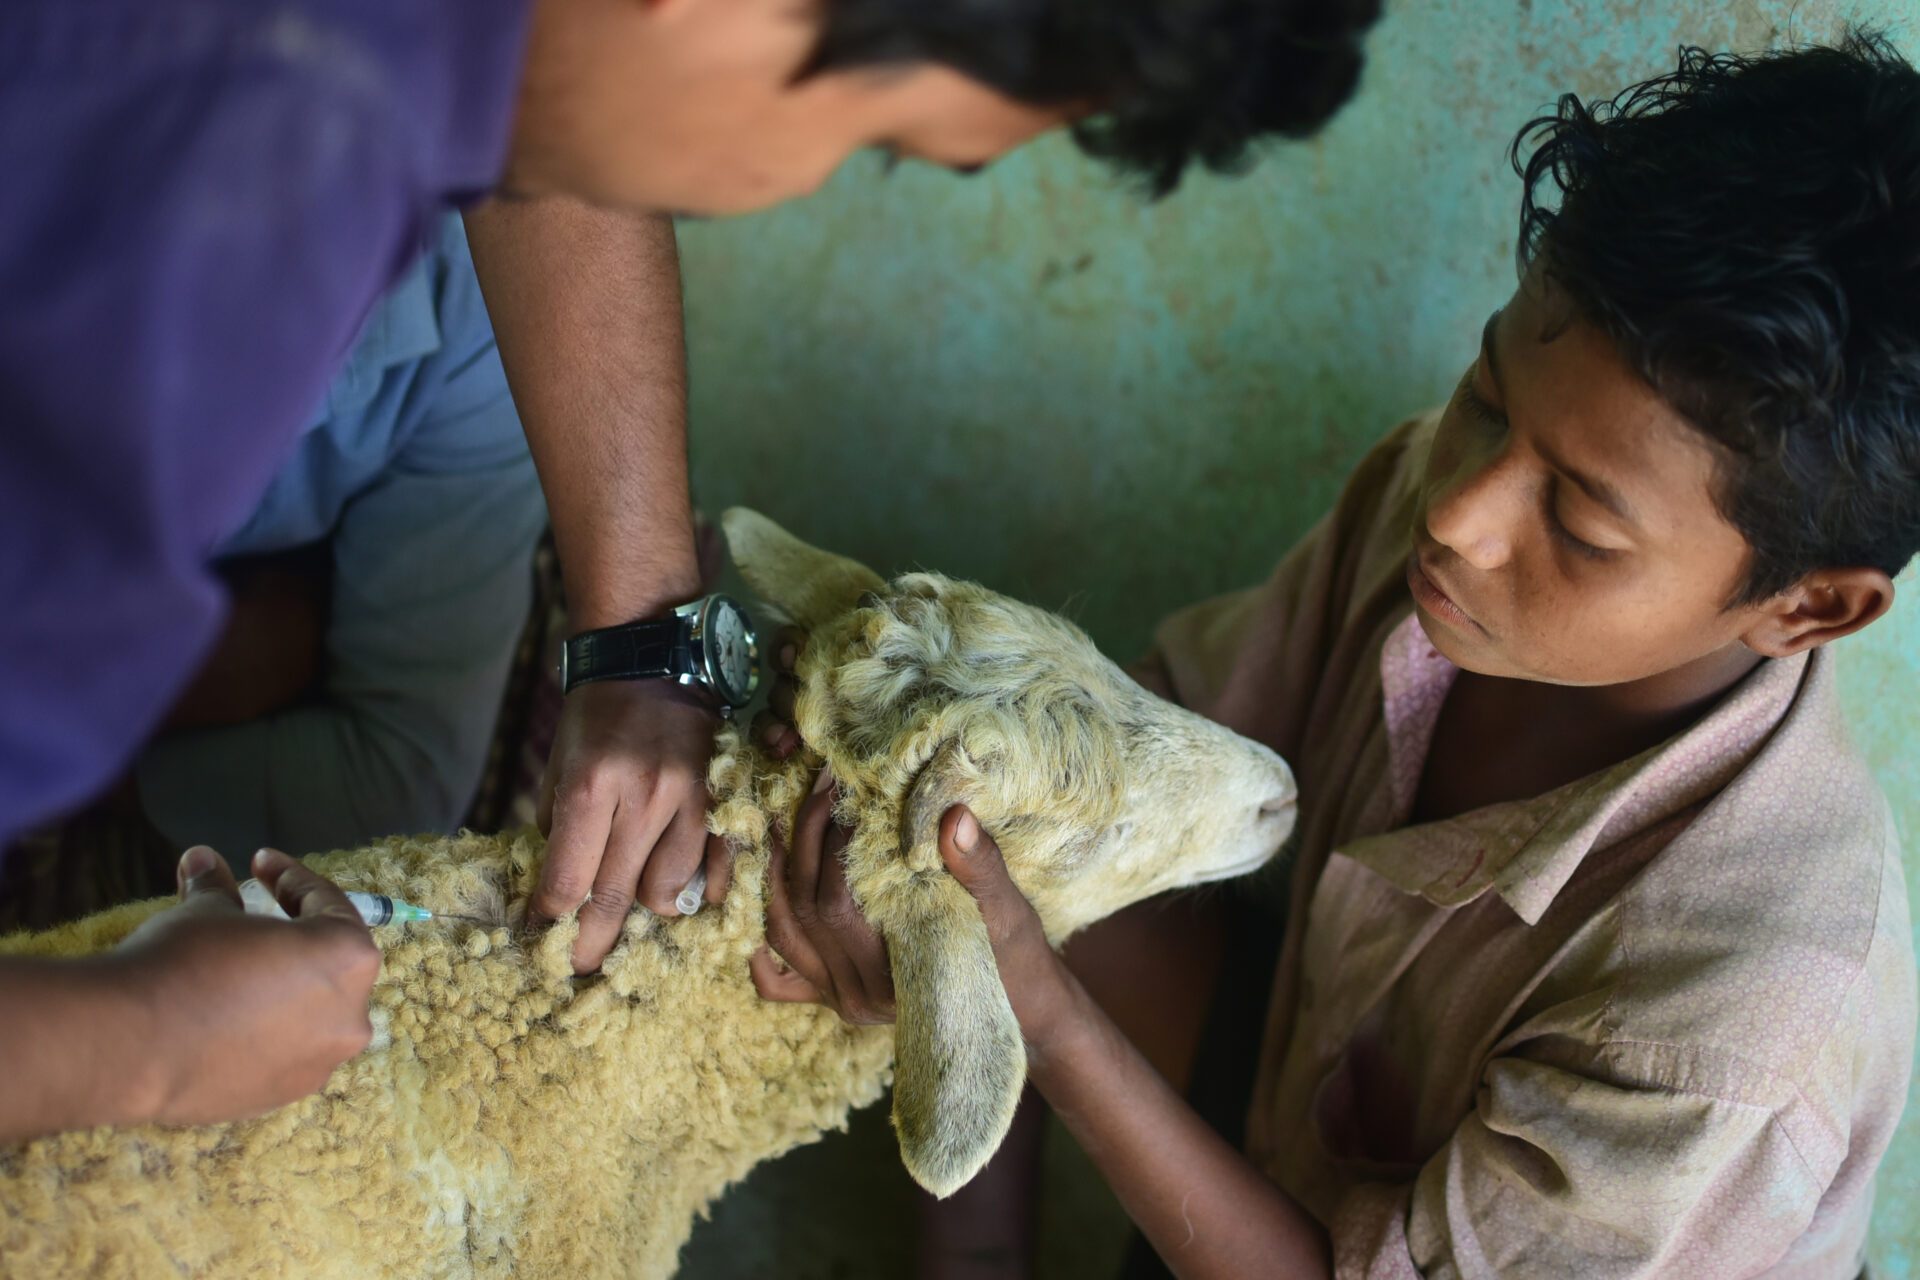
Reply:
x=512, y=1120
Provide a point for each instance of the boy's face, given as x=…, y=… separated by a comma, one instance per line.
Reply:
x=1567, y=531
x=698, y=106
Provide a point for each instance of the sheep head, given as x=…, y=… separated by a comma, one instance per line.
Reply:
x=924, y=693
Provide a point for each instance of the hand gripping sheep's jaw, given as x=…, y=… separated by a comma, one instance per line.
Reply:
x=926, y=693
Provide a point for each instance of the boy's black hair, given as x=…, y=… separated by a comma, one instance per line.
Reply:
x=1164, y=82
x=1747, y=231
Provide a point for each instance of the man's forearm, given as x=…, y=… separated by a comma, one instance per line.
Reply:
x=586, y=308
x=72, y=1052
x=1204, y=1207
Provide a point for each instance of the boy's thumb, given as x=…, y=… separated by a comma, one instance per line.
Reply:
x=971, y=855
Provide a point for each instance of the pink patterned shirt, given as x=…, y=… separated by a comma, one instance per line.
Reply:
x=1657, y=1022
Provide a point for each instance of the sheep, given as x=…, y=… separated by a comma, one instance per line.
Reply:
x=511, y=1119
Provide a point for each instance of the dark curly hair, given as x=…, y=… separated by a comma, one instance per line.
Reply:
x=1168, y=81
x=1747, y=231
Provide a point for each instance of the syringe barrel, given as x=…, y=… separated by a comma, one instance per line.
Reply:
x=374, y=908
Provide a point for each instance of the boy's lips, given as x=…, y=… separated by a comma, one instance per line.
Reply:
x=1429, y=595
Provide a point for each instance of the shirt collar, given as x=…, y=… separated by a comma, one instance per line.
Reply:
x=1527, y=850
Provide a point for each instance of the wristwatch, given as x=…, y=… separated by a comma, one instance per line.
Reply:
x=707, y=645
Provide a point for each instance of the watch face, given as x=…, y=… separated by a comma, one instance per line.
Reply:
x=733, y=655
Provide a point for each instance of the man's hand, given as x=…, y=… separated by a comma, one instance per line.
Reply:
x=246, y=1013
x=585, y=304
x=822, y=950
x=624, y=806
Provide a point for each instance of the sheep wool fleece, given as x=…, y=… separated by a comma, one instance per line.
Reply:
x=509, y=1119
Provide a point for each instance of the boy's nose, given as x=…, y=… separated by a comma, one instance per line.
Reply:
x=1471, y=517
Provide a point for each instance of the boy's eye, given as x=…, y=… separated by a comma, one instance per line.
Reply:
x=1478, y=407
x=1565, y=536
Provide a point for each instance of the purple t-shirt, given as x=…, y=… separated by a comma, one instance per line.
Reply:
x=200, y=200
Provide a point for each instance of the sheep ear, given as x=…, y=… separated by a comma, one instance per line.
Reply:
x=808, y=585
x=960, y=1062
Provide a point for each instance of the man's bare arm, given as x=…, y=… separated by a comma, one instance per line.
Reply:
x=586, y=307
x=585, y=304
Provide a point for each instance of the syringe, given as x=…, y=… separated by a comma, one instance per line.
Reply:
x=374, y=908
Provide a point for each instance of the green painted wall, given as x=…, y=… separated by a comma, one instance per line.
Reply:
x=1034, y=378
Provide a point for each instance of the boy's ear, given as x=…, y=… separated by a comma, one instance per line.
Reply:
x=1819, y=609
x=809, y=586
x=960, y=1062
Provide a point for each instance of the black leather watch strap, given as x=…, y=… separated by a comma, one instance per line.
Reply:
x=634, y=651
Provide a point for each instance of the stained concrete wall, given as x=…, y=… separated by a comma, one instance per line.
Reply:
x=1034, y=378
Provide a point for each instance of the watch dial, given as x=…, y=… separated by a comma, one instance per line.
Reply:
x=730, y=647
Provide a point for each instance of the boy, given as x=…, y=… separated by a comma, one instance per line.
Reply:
x=1597, y=959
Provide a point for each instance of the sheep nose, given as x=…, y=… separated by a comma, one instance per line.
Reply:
x=1279, y=804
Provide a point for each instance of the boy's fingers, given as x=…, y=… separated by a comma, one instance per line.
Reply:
x=853, y=949
x=301, y=893
x=775, y=981
x=975, y=861
x=803, y=855
x=206, y=880
x=784, y=934
x=787, y=644
x=972, y=856
x=764, y=729
x=719, y=869
x=780, y=700
x=772, y=733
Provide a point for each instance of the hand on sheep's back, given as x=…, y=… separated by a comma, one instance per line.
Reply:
x=623, y=804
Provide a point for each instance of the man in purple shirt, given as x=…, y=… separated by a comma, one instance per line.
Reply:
x=201, y=201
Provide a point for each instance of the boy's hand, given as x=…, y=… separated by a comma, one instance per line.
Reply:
x=773, y=728
x=822, y=950
x=624, y=805
x=245, y=1013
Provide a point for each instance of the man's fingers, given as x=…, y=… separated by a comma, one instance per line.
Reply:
x=574, y=850
x=206, y=880
x=615, y=882
x=302, y=894
x=675, y=857
x=543, y=808
x=775, y=981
